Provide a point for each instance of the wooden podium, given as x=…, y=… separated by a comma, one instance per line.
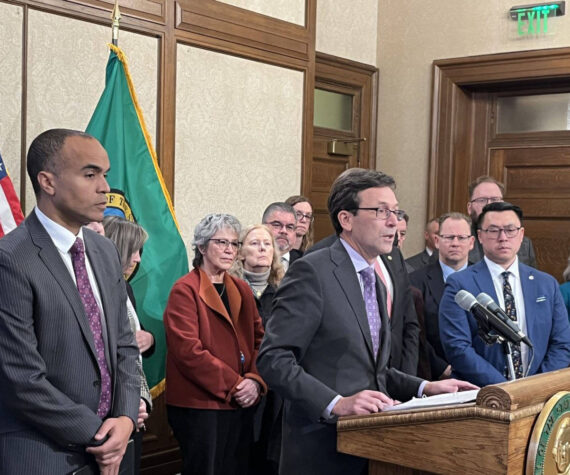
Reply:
x=488, y=436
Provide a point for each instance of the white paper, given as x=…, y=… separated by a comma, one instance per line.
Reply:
x=439, y=400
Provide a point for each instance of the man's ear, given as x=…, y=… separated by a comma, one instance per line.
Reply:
x=345, y=219
x=436, y=240
x=46, y=181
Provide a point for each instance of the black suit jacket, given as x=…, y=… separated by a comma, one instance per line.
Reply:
x=404, y=325
x=49, y=376
x=317, y=345
x=421, y=259
x=429, y=280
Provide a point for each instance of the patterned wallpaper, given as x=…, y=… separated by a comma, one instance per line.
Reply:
x=238, y=136
x=349, y=29
x=11, y=88
x=66, y=73
x=292, y=11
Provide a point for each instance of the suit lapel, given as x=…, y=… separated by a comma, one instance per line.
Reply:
x=348, y=280
x=483, y=279
x=51, y=258
x=435, y=281
x=211, y=298
x=530, y=295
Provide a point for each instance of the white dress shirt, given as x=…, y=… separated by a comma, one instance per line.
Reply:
x=515, y=280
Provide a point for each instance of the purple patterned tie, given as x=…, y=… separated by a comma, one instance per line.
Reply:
x=372, y=311
x=94, y=316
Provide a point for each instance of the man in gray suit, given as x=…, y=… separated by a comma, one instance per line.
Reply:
x=327, y=343
x=70, y=389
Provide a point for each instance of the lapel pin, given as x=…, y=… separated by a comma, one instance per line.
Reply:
x=531, y=277
x=389, y=258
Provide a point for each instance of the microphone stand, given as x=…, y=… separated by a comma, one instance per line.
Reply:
x=507, y=349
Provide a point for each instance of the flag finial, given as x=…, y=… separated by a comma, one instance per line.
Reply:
x=116, y=17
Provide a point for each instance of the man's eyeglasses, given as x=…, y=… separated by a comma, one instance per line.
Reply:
x=308, y=217
x=452, y=237
x=384, y=213
x=486, y=200
x=224, y=244
x=494, y=232
x=278, y=226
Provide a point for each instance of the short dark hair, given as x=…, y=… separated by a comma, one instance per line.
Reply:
x=278, y=206
x=485, y=179
x=45, y=150
x=345, y=189
x=406, y=218
x=454, y=215
x=499, y=206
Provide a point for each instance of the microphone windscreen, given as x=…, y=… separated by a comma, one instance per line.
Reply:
x=465, y=300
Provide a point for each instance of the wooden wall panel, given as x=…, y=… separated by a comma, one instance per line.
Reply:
x=152, y=10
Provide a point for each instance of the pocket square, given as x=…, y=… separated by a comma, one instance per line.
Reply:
x=541, y=299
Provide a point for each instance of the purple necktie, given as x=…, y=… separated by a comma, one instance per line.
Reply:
x=94, y=316
x=372, y=312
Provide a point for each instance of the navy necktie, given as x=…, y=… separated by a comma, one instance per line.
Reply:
x=511, y=312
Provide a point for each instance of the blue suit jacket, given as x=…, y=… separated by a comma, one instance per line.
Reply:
x=546, y=321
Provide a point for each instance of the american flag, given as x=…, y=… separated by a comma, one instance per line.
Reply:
x=10, y=211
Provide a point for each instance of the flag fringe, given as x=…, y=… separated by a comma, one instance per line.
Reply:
x=157, y=390
x=123, y=59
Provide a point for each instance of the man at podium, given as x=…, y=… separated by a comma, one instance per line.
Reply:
x=528, y=297
x=327, y=342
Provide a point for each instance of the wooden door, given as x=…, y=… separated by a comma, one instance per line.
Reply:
x=537, y=178
x=358, y=83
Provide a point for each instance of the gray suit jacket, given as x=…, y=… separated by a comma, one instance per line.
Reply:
x=317, y=345
x=48, y=369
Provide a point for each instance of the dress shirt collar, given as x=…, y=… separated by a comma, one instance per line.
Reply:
x=358, y=261
x=496, y=270
x=61, y=237
x=429, y=251
x=447, y=271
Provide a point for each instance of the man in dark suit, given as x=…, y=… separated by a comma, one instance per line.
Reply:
x=429, y=254
x=281, y=219
x=404, y=327
x=454, y=240
x=528, y=296
x=70, y=389
x=482, y=191
x=327, y=342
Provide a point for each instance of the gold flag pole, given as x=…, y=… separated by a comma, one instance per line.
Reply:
x=116, y=17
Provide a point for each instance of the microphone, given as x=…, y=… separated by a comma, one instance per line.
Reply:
x=487, y=301
x=468, y=302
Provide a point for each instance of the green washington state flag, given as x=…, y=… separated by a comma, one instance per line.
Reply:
x=139, y=194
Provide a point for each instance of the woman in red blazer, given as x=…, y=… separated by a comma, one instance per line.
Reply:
x=213, y=333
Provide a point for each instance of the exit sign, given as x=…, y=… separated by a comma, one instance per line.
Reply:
x=533, y=19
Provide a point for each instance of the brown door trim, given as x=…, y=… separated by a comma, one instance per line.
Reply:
x=459, y=103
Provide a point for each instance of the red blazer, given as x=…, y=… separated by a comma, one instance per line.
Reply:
x=203, y=364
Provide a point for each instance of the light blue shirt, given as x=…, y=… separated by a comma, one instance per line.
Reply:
x=447, y=271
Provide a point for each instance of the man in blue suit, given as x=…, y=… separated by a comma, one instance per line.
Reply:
x=526, y=294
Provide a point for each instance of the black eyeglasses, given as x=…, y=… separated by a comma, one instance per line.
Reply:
x=308, y=217
x=494, y=232
x=384, y=213
x=451, y=237
x=486, y=200
x=278, y=226
x=224, y=244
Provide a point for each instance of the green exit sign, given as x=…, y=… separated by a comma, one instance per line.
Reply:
x=533, y=19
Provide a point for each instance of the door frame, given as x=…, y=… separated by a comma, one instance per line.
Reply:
x=459, y=127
